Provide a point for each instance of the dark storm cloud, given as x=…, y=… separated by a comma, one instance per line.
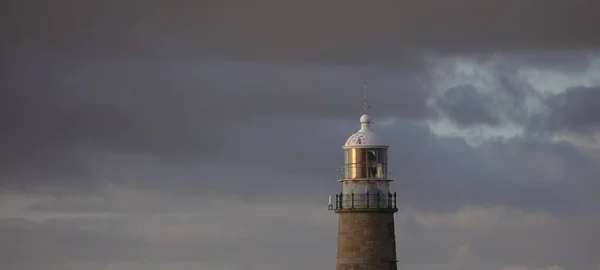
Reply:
x=466, y=106
x=521, y=172
x=561, y=60
x=500, y=95
x=180, y=125
x=57, y=105
x=575, y=110
x=496, y=94
x=346, y=32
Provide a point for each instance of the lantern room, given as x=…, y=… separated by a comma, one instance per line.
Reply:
x=365, y=155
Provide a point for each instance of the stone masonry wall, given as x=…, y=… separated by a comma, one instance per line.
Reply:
x=366, y=241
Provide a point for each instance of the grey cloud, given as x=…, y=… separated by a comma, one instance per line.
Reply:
x=221, y=232
x=28, y=242
x=105, y=123
x=467, y=106
x=568, y=61
x=355, y=32
x=575, y=110
x=175, y=109
x=561, y=60
x=506, y=234
x=180, y=229
x=575, y=251
x=261, y=134
x=431, y=172
x=498, y=95
x=521, y=172
x=495, y=93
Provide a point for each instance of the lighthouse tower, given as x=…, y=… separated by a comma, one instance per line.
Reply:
x=366, y=207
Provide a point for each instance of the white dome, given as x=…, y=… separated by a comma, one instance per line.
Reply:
x=365, y=136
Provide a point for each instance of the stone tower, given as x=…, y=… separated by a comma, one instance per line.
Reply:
x=366, y=207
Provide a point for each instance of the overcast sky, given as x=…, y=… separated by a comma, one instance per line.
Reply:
x=170, y=135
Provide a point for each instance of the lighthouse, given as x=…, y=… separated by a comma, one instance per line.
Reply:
x=366, y=206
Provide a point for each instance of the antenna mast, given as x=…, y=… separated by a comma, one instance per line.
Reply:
x=366, y=104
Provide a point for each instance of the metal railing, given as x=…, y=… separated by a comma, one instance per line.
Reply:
x=375, y=201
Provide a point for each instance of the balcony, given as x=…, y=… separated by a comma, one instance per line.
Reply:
x=365, y=201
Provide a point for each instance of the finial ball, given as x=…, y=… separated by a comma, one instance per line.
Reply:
x=365, y=118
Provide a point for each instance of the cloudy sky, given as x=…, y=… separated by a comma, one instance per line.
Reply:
x=207, y=135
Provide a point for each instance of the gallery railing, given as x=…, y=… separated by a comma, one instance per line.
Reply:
x=366, y=200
